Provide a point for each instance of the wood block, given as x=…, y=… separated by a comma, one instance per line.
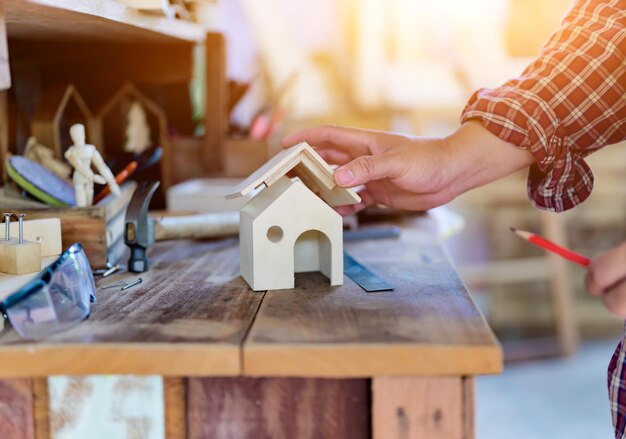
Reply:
x=417, y=408
x=251, y=408
x=46, y=232
x=16, y=258
x=99, y=228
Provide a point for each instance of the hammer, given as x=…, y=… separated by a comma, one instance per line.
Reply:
x=141, y=230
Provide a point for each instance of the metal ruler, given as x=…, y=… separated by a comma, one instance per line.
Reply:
x=367, y=280
x=371, y=233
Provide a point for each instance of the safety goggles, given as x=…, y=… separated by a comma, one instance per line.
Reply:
x=56, y=299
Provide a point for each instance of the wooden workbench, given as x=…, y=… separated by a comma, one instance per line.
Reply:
x=317, y=361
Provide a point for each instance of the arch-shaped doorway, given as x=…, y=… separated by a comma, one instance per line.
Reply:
x=312, y=252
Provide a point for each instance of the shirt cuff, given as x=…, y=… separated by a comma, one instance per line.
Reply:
x=560, y=179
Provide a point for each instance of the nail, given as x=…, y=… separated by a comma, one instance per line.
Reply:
x=20, y=217
x=137, y=282
x=114, y=285
x=344, y=176
x=111, y=270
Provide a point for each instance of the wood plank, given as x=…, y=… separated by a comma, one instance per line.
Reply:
x=417, y=408
x=428, y=325
x=41, y=408
x=93, y=20
x=187, y=318
x=113, y=406
x=175, y=400
x=16, y=409
x=278, y=408
x=216, y=105
x=5, y=74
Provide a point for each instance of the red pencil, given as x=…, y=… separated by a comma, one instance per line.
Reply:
x=577, y=258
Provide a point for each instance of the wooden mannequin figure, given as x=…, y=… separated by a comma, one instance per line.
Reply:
x=81, y=156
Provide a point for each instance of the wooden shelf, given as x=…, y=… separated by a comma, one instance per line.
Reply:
x=93, y=21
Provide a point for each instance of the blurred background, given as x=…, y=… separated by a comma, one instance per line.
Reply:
x=410, y=66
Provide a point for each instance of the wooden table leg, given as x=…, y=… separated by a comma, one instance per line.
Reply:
x=41, y=407
x=278, y=408
x=422, y=408
x=175, y=404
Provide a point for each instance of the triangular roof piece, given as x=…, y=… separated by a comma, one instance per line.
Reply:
x=130, y=90
x=306, y=164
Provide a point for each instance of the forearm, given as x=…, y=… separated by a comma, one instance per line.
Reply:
x=479, y=157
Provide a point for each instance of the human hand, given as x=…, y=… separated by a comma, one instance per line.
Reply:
x=398, y=171
x=98, y=179
x=606, y=277
x=408, y=172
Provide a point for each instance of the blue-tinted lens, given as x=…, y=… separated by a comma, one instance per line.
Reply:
x=58, y=304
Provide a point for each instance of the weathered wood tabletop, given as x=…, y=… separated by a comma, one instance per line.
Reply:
x=194, y=316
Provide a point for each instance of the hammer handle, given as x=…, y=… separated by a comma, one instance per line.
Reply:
x=209, y=225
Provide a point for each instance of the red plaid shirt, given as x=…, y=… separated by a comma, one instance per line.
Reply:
x=568, y=103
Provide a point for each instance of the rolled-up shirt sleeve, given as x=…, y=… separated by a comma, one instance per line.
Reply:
x=569, y=102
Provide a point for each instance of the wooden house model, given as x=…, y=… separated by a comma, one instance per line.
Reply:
x=290, y=226
x=112, y=120
x=60, y=108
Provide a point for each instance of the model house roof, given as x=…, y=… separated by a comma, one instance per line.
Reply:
x=303, y=162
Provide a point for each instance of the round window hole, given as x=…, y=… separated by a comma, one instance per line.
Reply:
x=275, y=234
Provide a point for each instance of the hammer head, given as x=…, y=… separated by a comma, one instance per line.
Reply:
x=138, y=227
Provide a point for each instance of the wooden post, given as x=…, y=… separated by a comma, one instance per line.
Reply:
x=4, y=133
x=561, y=287
x=216, y=105
x=422, y=408
x=5, y=74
